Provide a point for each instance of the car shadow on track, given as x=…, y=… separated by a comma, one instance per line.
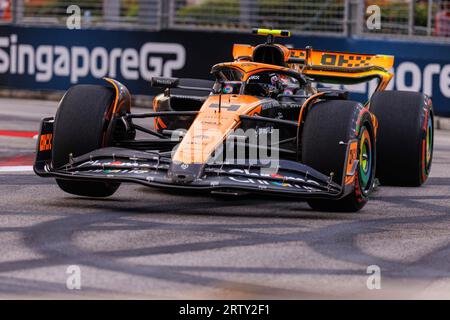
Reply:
x=199, y=205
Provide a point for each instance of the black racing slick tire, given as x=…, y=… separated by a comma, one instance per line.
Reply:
x=328, y=128
x=405, y=137
x=79, y=128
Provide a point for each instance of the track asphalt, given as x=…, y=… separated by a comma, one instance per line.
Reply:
x=144, y=243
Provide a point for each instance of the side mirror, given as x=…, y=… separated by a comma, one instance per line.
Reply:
x=161, y=82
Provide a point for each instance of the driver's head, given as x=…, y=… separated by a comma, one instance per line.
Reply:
x=264, y=84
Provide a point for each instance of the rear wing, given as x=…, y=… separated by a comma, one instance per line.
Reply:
x=341, y=61
x=331, y=66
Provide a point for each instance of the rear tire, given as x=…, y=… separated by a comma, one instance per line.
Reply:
x=405, y=137
x=327, y=124
x=79, y=128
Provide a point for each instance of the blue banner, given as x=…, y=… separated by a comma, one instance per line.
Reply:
x=55, y=59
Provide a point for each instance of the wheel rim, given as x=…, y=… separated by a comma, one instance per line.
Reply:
x=365, y=159
x=429, y=141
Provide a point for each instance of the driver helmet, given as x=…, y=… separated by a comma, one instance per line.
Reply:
x=265, y=84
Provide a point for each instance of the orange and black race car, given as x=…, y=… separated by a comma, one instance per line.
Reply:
x=265, y=125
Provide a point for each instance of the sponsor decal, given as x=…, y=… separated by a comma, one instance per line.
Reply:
x=116, y=171
x=352, y=157
x=45, y=143
x=184, y=166
x=45, y=62
x=114, y=164
x=288, y=181
x=345, y=60
x=248, y=64
x=227, y=89
x=40, y=58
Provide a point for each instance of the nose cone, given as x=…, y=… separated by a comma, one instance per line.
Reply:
x=183, y=173
x=211, y=127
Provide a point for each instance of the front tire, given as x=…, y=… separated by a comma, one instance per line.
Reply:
x=79, y=128
x=327, y=125
x=405, y=137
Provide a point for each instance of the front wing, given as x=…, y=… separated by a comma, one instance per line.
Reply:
x=155, y=169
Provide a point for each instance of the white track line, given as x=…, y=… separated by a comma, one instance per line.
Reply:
x=16, y=169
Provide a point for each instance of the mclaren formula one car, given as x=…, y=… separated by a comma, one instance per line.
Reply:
x=265, y=125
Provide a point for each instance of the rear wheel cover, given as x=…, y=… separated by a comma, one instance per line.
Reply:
x=429, y=140
x=365, y=161
x=427, y=147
